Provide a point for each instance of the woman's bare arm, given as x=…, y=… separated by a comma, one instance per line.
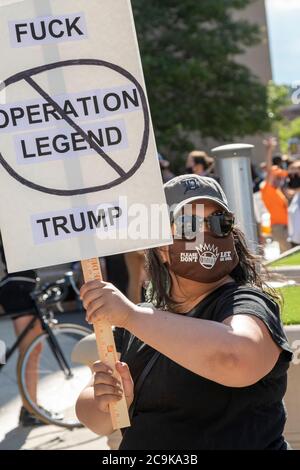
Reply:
x=89, y=415
x=236, y=353
x=227, y=353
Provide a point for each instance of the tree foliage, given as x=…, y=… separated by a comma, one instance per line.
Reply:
x=279, y=98
x=288, y=131
x=194, y=81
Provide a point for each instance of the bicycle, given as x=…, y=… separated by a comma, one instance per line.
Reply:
x=59, y=379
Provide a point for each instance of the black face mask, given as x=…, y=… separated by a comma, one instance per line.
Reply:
x=294, y=181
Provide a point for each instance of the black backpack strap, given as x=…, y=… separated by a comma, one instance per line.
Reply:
x=141, y=380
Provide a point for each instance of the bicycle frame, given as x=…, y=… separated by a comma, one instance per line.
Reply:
x=56, y=350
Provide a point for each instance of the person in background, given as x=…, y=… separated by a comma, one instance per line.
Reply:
x=294, y=208
x=263, y=171
x=257, y=178
x=273, y=197
x=114, y=270
x=282, y=161
x=278, y=161
x=135, y=262
x=15, y=297
x=199, y=163
x=127, y=273
x=164, y=164
x=259, y=207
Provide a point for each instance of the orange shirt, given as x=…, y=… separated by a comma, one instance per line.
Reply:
x=276, y=203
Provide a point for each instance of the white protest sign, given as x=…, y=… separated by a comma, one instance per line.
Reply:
x=77, y=150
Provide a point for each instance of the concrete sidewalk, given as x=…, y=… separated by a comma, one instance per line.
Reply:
x=52, y=438
x=14, y=437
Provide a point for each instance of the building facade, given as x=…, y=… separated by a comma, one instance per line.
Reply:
x=258, y=60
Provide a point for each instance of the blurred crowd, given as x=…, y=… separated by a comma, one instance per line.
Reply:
x=276, y=191
x=276, y=188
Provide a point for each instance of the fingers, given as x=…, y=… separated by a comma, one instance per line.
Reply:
x=107, y=389
x=102, y=389
x=93, y=309
x=128, y=384
x=104, y=401
x=270, y=142
x=123, y=370
x=99, y=366
x=88, y=286
x=102, y=378
x=90, y=296
x=104, y=375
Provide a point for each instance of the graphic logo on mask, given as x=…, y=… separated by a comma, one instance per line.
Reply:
x=208, y=255
x=206, y=262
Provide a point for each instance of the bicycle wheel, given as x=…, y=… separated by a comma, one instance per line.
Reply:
x=57, y=389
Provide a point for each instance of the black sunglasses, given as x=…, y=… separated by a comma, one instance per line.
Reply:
x=219, y=223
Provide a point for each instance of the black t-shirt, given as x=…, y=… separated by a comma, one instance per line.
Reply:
x=15, y=295
x=180, y=410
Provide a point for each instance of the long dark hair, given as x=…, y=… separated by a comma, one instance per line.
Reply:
x=250, y=271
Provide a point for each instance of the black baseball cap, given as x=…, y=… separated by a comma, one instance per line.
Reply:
x=185, y=189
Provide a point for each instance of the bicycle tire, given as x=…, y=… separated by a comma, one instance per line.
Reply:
x=28, y=403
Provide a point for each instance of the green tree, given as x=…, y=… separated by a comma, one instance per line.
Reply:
x=279, y=98
x=194, y=82
x=286, y=131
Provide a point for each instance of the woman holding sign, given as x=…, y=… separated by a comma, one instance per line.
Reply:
x=204, y=366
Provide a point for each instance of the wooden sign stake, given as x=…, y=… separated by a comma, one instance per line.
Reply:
x=107, y=348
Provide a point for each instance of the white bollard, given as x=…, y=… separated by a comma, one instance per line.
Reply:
x=233, y=168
